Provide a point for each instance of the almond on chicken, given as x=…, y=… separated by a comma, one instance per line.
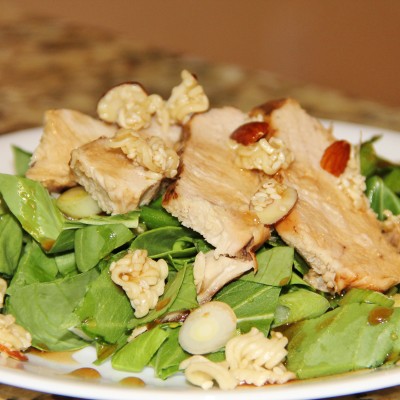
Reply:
x=341, y=239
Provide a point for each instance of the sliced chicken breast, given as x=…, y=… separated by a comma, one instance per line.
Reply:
x=212, y=194
x=111, y=178
x=64, y=130
x=342, y=242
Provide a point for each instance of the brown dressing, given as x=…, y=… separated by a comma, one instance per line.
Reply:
x=161, y=304
x=379, y=315
x=85, y=373
x=132, y=381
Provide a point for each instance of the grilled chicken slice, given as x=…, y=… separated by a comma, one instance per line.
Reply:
x=64, y=130
x=343, y=243
x=212, y=194
x=111, y=178
x=211, y=273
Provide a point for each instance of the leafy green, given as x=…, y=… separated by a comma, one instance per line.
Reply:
x=168, y=357
x=135, y=355
x=154, y=216
x=392, y=180
x=34, y=266
x=299, y=304
x=105, y=310
x=92, y=243
x=369, y=160
x=129, y=219
x=10, y=243
x=342, y=340
x=356, y=295
x=274, y=266
x=46, y=310
x=22, y=159
x=32, y=205
x=381, y=197
x=166, y=241
x=253, y=303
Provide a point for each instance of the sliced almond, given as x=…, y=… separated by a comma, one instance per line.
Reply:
x=336, y=157
x=275, y=211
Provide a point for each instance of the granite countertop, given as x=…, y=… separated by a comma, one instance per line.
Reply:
x=46, y=63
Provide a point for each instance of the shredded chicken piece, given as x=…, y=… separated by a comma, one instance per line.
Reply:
x=212, y=272
x=142, y=278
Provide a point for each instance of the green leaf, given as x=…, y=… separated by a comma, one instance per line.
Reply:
x=64, y=242
x=274, y=267
x=34, y=266
x=105, y=310
x=32, y=205
x=22, y=159
x=135, y=355
x=381, y=198
x=45, y=309
x=187, y=295
x=253, y=303
x=342, y=340
x=160, y=242
x=66, y=264
x=299, y=304
x=10, y=244
x=157, y=217
x=169, y=356
x=130, y=220
x=356, y=295
x=392, y=180
x=368, y=158
x=93, y=243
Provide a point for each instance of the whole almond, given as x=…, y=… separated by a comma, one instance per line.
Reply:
x=336, y=157
x=251, y=132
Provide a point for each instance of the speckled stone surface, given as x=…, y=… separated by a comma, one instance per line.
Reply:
x=48, y=64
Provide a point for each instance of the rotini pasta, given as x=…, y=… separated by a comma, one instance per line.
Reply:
x=251, y=358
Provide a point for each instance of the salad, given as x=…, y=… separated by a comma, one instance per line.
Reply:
x=78, y=272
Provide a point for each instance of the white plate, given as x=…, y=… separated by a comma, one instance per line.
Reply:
x=47, y=375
